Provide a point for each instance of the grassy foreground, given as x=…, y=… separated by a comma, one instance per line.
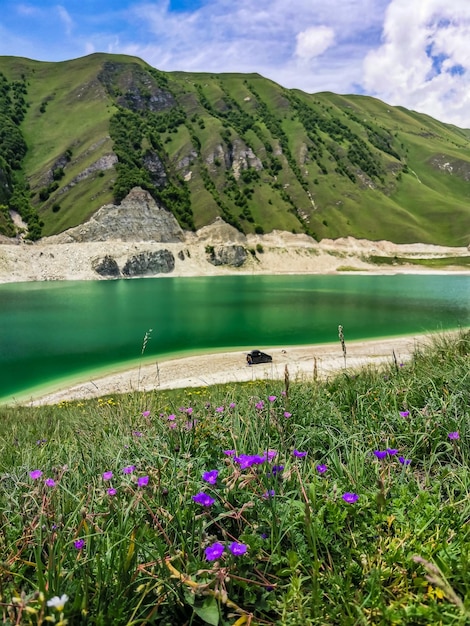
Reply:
x=337, y=502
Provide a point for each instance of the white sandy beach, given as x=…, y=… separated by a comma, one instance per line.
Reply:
x=301, y=362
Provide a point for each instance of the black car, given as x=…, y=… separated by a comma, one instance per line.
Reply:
x=255, y=356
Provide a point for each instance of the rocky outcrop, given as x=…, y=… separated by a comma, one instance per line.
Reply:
x=451, y=165
x=155, y=168
x=219, y=232
x=149, y=263
x=235, y=256
x=137, y=218
x=106, y=266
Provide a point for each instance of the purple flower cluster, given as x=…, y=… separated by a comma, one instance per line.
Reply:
x=247, y=460
x=381, y=454
x=36, y=474
x=215, y=551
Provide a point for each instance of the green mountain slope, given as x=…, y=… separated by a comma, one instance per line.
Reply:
x=79, y=134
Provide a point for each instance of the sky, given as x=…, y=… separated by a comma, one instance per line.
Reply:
x=412, y=53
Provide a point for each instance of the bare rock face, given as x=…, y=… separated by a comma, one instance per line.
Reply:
x=219, y=232
x=137, y=218
x=106, y=266
x=235, y=256
x=149, y=263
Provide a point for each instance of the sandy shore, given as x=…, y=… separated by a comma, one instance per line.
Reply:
x=204, y=370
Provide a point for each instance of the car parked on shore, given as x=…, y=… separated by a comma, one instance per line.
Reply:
x=256, y=356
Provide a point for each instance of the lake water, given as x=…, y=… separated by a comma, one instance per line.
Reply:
x=61, y=331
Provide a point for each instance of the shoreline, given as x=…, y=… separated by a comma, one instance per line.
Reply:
x=279, y=252
x=303, y=363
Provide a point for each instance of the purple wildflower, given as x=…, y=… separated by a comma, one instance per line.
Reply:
x=107, y=475
x=129, y=469
x=321, y=469
x=171, y=417
x=454, y=435
x=404, y=461
x=49, y=482
x=404, y=413
x=247, y=460
x=219, y=409
x=189, y=410
x=231, y=405
x=259, y=405
x=210, y=477
x=237, y=549
x=111, y=491
x=392, y=451
x=142, y=481
x=79, y=544
x=287, y=414
x=270, y=454
x=145, y=413
x=137, y=433
x=35, y=474
x=203, y=498
x=350, y=498
x=380, y=454
x=230, y=452
x=299, y=454
x=272, y=398
x=269, y=493
x=276, y=469
x=214, y=551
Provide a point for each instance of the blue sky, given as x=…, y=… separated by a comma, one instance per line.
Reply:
x=413, y=53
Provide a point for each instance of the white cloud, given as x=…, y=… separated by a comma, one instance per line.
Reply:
x=27, y=9
x=65, y=19
x=424, y=60
x=272, y=37
x=313, y=41
x=413, y=53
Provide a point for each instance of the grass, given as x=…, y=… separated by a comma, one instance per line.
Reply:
x=437, y=263
x=272, y=537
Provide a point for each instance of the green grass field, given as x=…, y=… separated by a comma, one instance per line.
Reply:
x=286, y=503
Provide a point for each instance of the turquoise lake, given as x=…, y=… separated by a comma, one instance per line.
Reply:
x=64, y=331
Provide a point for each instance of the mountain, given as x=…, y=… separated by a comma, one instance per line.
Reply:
x=80, y=134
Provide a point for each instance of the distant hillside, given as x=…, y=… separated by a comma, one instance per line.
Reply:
x=80, y=134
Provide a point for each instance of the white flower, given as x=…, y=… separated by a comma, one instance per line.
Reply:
x=58, y=603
